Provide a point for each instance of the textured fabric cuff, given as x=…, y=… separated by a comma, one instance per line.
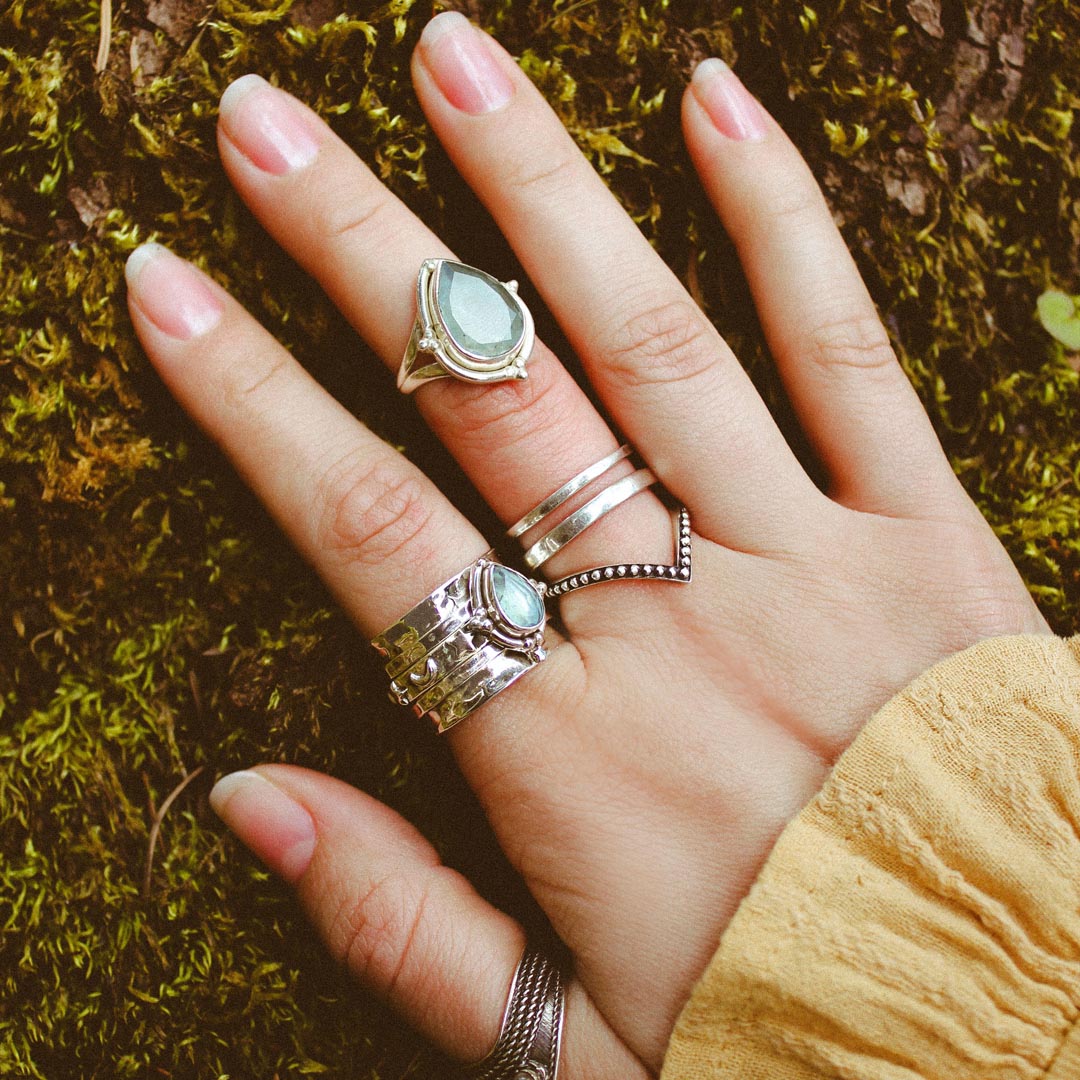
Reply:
x=920, y=919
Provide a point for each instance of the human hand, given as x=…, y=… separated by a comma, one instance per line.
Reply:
x=638, y=778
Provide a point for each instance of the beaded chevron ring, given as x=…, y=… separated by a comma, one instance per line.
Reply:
x=680, y=571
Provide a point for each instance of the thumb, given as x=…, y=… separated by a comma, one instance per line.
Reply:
x=415, y=931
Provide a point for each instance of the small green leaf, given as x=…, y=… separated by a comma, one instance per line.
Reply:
x=1059, y=316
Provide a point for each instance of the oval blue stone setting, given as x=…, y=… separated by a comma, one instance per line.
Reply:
x=518, y=601
x=478, y=312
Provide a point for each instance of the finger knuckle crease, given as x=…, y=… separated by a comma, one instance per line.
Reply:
x=796, y=203
x=506, y=413
x=543, y=174
x=667, y=343
x=379, y=931
x=372, y=511
x=860, y=343
x=338, y=224
x=247, y=377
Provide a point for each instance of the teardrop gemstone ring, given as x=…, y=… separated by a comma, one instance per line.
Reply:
x=468, y=326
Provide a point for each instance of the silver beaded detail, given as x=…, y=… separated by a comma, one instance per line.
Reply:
x=679, y=571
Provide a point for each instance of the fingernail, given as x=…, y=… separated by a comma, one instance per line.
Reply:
x=269, y=127
x=172, y=294
x=273, y=825
x=734, y=111
x=463, y=64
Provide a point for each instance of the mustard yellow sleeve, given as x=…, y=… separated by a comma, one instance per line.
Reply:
x=920, y=919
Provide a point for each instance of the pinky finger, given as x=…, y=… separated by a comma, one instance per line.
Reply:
x=413, y=930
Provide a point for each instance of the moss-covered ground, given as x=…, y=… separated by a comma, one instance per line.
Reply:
x=155, y=630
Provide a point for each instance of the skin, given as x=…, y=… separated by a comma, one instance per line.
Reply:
x=637, y=806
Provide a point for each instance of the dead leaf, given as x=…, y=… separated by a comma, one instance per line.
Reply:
x=148, y=57
x=92, y=202
x=910, y=193
x=314, y=13
x=1011, y=47
x=175, y=17
x=927, y=13
x=9, y=214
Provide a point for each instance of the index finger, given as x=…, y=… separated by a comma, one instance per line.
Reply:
x=377, y=530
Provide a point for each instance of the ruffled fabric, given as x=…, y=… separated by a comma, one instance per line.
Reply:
x=920, y=919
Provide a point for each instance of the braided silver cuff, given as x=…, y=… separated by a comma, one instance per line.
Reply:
x=531, y=1037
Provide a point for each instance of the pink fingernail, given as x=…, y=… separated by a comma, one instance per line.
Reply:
x=463, y=64
x=273, y=825
x=734, y=111
x=270, y=128
x=172, y=294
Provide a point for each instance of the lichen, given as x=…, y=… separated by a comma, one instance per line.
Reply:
x=156, y=623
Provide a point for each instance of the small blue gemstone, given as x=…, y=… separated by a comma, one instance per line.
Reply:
x=478, y=312
x=519, y=602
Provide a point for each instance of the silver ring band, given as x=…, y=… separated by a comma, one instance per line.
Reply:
x=571, y=487
x=680, y=570
x=574, y=525
x=465, y=642
x=531, y=1035
x=407, y=641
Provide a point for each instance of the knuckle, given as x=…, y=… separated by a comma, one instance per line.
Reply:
x=371, y=510
x=669, y=342
x=246, y=377
x=543, y=175
x=376, y=936
x=337, y=220
x=506, y=414
x=796, y=202
x=858, y=342
x=993, y=603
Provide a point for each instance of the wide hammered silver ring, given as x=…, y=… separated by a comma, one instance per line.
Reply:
x=468, y=326
x=530, y=1040
x=465, y=642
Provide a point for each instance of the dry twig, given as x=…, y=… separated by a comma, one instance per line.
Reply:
x=105, y=42
x=159, y=817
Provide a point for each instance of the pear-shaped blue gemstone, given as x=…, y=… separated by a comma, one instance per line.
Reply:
x=518, y=601
x=478, y=312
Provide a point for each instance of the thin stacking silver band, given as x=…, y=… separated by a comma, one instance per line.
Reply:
x=573, y=526
x=570, y=488
x=531, y=1036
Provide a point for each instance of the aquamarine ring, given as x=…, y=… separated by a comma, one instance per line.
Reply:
x=465, y=642
x=468, y=326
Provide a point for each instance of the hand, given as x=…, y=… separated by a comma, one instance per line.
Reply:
x=638, y=778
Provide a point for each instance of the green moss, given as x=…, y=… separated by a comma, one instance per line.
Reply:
x=156, y=624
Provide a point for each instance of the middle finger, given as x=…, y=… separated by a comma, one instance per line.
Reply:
x=517, y=440
x=668, y=378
